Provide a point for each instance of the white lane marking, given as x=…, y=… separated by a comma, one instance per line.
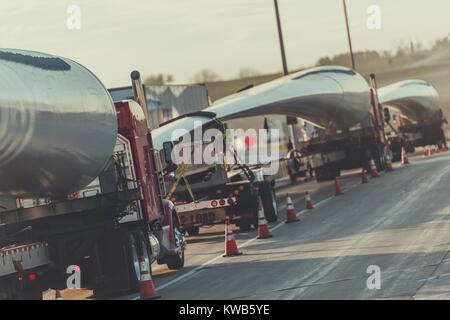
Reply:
x=200, y=267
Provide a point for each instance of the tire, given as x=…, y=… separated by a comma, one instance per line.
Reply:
x=293, y=179
x=396, y=157
x=119, y=262
x=326, y=173
x=269, y=200
x=379, y=157
x=194, y=231
x=176, y=260
x=134, y=269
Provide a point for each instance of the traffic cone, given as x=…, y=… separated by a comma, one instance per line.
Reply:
x=291, y=214
x=263, y=227
x=373, y=169
x=405, y=160
x=337, y=185
x=58, y=295
x=364, y=177
x=147, y=289
x=231, y=248
x=388, y=166
x=308, y=202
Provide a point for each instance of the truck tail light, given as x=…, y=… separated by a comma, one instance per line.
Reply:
x=32, y=277
x=222, y=202
x=214, y=203
x=230, y=201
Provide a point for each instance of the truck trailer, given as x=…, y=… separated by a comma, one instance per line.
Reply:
x=336, y=100
x=413, y=114
x=78, y=186
x=348, y=115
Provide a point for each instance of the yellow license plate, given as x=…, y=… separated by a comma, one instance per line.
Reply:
x=202, y=217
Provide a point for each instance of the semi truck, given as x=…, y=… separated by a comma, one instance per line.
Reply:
x=78, y=187
x=336, y=100
x=403, y=116
x=349, y=115
x=205, y=194
x=413, y=114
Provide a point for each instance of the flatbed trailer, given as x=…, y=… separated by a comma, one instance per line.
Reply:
x=205, y=194
x=328, y=154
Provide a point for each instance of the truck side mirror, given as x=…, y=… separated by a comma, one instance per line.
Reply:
x=387, y=114
x=168, y=148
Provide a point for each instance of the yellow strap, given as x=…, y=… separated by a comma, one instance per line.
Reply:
x=175, y=185
x=181, y=174
x=186, y=183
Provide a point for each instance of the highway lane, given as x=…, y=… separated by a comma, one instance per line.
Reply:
x=398, y=222
x=210, y=243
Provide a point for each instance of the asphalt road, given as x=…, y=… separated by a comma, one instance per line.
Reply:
x=398, y=223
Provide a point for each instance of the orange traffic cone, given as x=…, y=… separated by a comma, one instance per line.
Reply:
x=263, y=227
x=373, y=169
x=308, y=202
x=291, y=214
x=388, y=165
x=364, y=177
x=147, y=289
x=337, y=185
x=231, y=248
x=405, y=160
x=58, y=295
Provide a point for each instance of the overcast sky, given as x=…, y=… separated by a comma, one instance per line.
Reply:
x=183, y=36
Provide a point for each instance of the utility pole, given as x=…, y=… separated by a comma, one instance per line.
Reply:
x=280, y=37
x=352, y=57
x=290, y=120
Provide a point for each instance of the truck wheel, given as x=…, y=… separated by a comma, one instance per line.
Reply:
x=194, y=231
x=269, y=201
x=325, y=173
x=134, y=269
x=176, y=260
x=293, y=179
